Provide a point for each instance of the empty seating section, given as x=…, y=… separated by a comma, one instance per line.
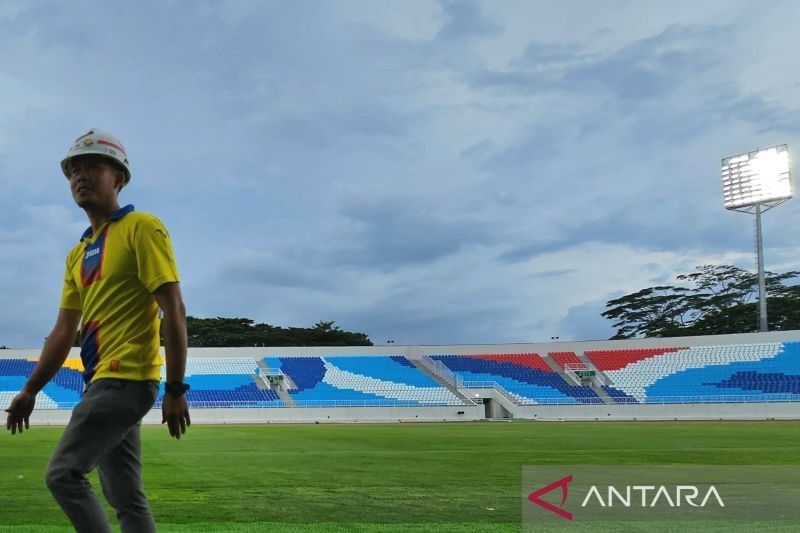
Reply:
x=248, y=395
x=564, y=358
x=528, y=360
x=729, y=373
x=526, y=377
x=618, y=396
x=360, y=380
x=220, y=365
x=616, y=359
x=220, y=382
x=62, y=392
x=738, y=372
x=224, y=382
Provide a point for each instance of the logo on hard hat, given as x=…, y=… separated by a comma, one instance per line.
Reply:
x=88, y=142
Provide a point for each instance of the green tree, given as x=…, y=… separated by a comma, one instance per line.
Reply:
x=720, y=299
x=222, y=332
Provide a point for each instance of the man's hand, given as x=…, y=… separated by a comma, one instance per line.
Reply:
x=175, y=413
x=20, y=411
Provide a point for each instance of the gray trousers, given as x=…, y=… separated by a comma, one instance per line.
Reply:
x=103, y=432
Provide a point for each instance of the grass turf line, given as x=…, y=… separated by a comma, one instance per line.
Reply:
x=371, y=477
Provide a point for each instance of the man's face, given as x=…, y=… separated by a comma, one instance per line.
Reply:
x=94, y=181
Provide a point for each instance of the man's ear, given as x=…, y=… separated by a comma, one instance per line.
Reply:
x=120, y=183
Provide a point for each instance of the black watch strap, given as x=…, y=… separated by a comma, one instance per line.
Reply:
x=176, y=388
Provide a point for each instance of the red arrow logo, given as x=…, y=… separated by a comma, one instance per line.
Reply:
x=536, y=497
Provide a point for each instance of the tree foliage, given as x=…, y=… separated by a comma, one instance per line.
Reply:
x=245, y=332
x=224, y=332
x=718, y=299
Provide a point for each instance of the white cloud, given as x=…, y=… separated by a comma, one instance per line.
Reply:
x=429, y=171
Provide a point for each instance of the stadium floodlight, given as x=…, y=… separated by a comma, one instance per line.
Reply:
x=756, y=178
x=754, y=183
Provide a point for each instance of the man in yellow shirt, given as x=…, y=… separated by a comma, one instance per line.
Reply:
x=116, y=280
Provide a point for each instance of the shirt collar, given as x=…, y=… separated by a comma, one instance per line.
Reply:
x=116, y=215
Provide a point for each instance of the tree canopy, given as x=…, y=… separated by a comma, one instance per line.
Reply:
x=245, y=332
x=713, y=300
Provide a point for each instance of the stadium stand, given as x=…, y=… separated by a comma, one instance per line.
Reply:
x=224, y=382
x=730, y=373
x=738, y=372
x=215, y=382
x=564, y=358
x=526, y=376
x=62, y=392
x=246, y=366
x=360, y=380
x=615, y=359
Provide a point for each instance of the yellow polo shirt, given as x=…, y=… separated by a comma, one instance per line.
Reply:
x=110, y=277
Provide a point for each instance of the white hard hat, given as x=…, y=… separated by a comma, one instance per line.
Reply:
x=101, y=143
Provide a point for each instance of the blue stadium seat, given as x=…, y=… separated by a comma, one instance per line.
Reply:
x=360, y=380
x=732, y=373
x=527, y=384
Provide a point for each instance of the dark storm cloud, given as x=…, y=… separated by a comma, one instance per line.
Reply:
x=538, y=54
x=644, y=69
x=272, y=273
x=537, y=144
x=321, y=127
x=765, y=115
x=407, y=321
x=647, y=69
x=555, y=273
x=390, y=235
x=656, y=206
x=644, y=228
x=651, y=67
x=464, y=19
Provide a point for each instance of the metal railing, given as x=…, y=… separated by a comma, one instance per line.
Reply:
x=517, y=397
x=685, y=399
x=375, y=403
x=569, y=371
x=722, y=398
x=465, y=387
x=282, y=404
x=572, y=370
x=438, y=369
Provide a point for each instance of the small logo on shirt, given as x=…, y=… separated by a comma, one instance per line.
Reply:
x=90, y=253
x=114, y=366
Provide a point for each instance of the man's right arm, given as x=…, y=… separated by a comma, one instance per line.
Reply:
x=55, y=351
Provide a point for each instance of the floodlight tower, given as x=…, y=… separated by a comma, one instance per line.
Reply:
x=754, y=183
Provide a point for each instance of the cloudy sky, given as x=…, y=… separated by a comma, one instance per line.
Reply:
x=426, y=172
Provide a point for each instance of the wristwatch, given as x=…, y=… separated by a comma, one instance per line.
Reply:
x=176, y=388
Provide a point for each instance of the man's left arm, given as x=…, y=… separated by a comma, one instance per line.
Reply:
x=174, y=409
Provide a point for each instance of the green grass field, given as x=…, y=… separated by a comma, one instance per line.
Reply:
x=375, y=477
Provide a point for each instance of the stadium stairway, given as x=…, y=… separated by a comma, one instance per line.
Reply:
x=558, y=369
x=525, y=376
x=438, y=379
x=555, y=367
x=284, y=395
x=280, y=388
x=260, y=383
x=600, y=391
